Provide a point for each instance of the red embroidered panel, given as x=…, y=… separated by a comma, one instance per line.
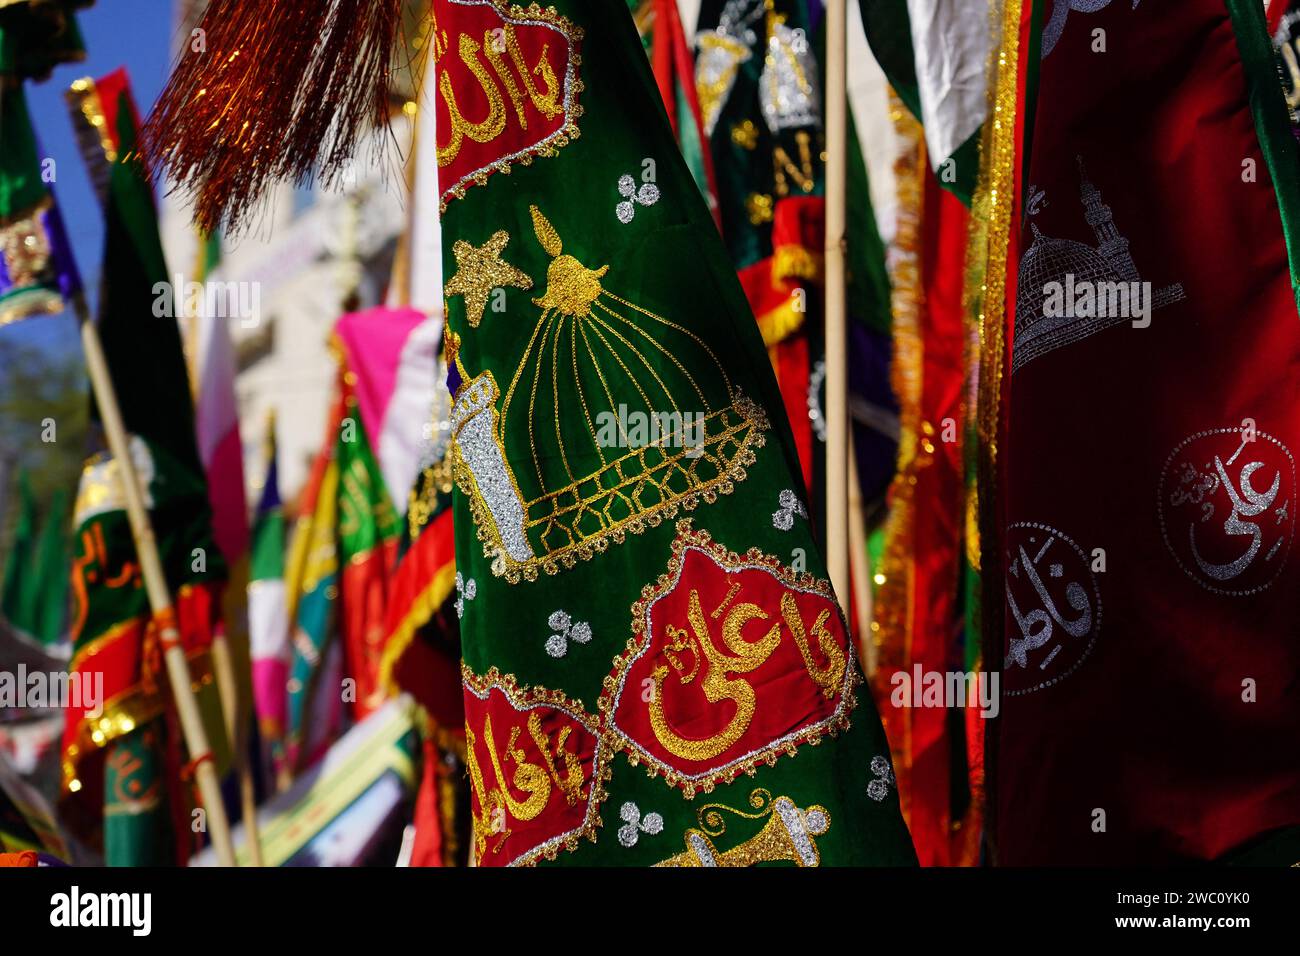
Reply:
x=736, y=660
x=535, y=786
x=507, y=88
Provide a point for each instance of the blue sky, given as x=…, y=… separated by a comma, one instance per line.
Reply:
x=131, y=33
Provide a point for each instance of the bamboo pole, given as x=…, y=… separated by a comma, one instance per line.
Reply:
x=837, y=391
x=155, y=582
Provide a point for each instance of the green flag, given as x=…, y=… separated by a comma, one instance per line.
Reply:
x=21, y=586
x=656, y=670
x=116, y=759
x=935, y=56
x=51, y=565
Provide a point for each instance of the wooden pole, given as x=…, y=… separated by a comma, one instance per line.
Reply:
x=860, y=568
x=155, y=582
x=425, y=290
x=837, y=390
x=236, y=732
x=222, y=660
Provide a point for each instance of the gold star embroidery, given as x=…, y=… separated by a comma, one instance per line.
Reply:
x=479, y=271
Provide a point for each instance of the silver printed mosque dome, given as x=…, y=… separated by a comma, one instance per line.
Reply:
x=1050, y=260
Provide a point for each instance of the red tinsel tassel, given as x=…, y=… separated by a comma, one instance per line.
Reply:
x=271, y=90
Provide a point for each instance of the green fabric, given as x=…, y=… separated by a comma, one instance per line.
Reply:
x=37, y=36
x=868, y=295
x=668, y=261
x=889, y=34
x=147, y=366
x=744, y=171
x=688, y=133
x=21, y=188
x=149, y=371
x=21, y=586
x=34, y=595
x=137, y=823
x=267, y=562
x=1278, y=848
x=52, y=556
x=1272, y=122
x=367, y=519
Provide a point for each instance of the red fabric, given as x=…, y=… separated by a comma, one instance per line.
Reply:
x=363, y=596
x=427, y=848
x=1145, y=718
x=661, y=58
x=24, y=858
x=510, y=830
x=674, y=68
x=1276, y=10
x=462, y=160
x=700, y=604
x=427, y=669
x=938, y=518
x=792, y=376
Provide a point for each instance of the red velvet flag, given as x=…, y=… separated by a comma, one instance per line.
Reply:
x=1150, y=665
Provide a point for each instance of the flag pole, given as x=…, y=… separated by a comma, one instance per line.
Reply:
x=155, y=581
x=222, y=661
x=860, y=568
x=236, y=732
x=837, y=392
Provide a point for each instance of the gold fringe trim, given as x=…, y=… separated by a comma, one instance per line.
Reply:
x=779, y=324
x=891, y=627
x=123, y=714
x=797, y=262
x=422, y=608
x=985, y=294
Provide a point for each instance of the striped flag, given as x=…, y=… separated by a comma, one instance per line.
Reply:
x=268, y=620
x=935, y=55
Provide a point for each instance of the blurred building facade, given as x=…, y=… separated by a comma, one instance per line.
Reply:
x=312, y=255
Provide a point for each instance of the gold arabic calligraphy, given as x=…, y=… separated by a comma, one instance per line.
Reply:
x=537, y=781
x=719, y=682
x=496, y=41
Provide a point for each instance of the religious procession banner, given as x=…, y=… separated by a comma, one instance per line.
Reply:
x=660, y=24
x=935, y=55
x=1151, y=589
x=123, y=751
x=655, y=671
x=268, y=611
x=37, y=273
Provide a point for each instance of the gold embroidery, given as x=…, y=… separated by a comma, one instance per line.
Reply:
x=828, y=678
x=547, y=103
x=688, y=457
x=571, y=287
x=837, y=676
x=479, y=271
x=747, y=658
x=745, y=134
x=759, y=208
x=783, y=166
x=556, y=97
x=560, y=769
x=492, y=126
x=718, y=62
x=786, y=837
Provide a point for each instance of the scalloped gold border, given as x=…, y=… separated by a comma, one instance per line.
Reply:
x=516, y=15
x=523, y=697
x=769, y=754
